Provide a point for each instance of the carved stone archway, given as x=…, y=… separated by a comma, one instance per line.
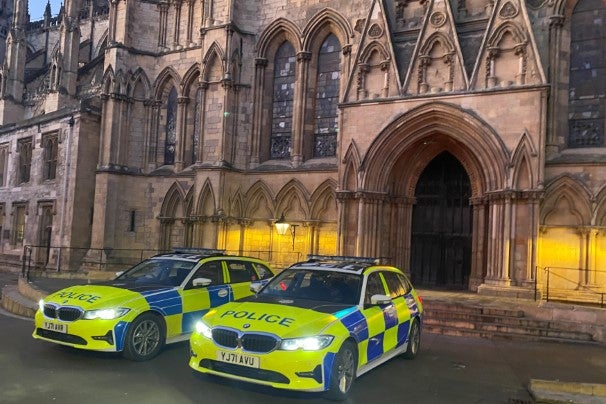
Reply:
x=391, y=169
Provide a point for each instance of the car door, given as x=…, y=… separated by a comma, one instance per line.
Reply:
x=397, y=335
x=197, y=300
x=241, y=273
x=372, y=348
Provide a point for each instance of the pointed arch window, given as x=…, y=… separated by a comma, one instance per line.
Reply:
x=50, y=146
x=24, y=147
x=327, y=98
x=170, y=142
x=283, y=101
x=586, y=103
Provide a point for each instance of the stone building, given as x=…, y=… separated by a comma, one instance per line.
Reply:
x=462, y=141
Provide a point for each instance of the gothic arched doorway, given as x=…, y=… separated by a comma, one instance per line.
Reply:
x=441, y=226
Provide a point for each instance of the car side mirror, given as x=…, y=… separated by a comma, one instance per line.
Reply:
x=256, y=287
x=201, y=282
x=380, y=300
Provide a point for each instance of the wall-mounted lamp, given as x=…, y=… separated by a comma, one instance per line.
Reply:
x=282, y=227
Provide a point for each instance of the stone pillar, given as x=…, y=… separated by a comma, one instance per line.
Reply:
x=112, y=128
x=203, y=86
x=402, y=225
x=508, y=238
x=181, y=130
x=244, y=224
x=591, y=277
x=226, y=129
x=154, y=134
x=113, y=17
x=478, y=242
x=12, y=75
x=163, y=26
x=497, y=247
x=70, y=47
x=369, y=224
x=177, y=24
x=299, y=108
x=257, y=124
x=190, y=22
x=312, y=236
x=554, y=73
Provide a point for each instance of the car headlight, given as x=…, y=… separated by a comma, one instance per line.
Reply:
x=203, y=329
x=306, y=343
x=41, y=305
x=105, y=314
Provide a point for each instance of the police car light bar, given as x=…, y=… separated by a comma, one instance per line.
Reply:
x=343, y=258
x=193, y=250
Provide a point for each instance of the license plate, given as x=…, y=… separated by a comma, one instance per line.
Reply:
x=238, y=359
x=58, y=327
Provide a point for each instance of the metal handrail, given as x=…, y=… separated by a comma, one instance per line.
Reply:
x=552, y=272
x=120, y=258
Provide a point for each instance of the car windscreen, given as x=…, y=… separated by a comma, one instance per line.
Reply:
x=160, y=271
x=320, y=285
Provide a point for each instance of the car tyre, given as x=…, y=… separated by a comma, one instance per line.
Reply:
x=343, y=372
x=144, y=338
x=414, y=340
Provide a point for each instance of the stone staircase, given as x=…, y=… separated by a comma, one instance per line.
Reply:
x=458, y=319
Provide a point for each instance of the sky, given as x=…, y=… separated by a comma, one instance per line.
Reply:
x=36, y=8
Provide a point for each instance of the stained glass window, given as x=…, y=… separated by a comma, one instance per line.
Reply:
x=586, y=103
x=170, y=143
x=327, y=98
x=283, y=100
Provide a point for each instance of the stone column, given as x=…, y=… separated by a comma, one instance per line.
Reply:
x=190, y=22
x=203, y=86
x=177, y=24
x=591, y=277
x=244, y=224
x=496, y=275
x=478, y=253
x=257, y=124
x=299, y=108
x=554, y=73
x=181, y=130
x=369, y=223
x=402, y=224
x=154, y=123
x=312, y=236
x=508, y=237
x=163, y=25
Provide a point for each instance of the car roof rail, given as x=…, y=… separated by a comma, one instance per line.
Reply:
x=195, y=250
x=343, y=259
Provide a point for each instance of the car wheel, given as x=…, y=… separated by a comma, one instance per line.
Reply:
x=144, y=338
x=414, y=340
x=343, y=372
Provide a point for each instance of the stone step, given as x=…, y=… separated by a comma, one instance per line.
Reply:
x=513, y=330
x=461, y=332
x=493, y=319
x=488, y=322
x=462, y=308
x=14, y=302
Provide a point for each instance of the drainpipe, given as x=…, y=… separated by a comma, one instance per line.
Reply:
x=68, y=149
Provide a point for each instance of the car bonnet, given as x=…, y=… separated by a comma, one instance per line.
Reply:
x=277, y=318
x=92, y=296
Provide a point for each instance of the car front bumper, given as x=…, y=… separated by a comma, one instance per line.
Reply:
x=292, y=370
x=97, y=335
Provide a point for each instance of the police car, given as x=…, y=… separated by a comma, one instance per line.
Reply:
x=315, y=326
x=157, y=301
